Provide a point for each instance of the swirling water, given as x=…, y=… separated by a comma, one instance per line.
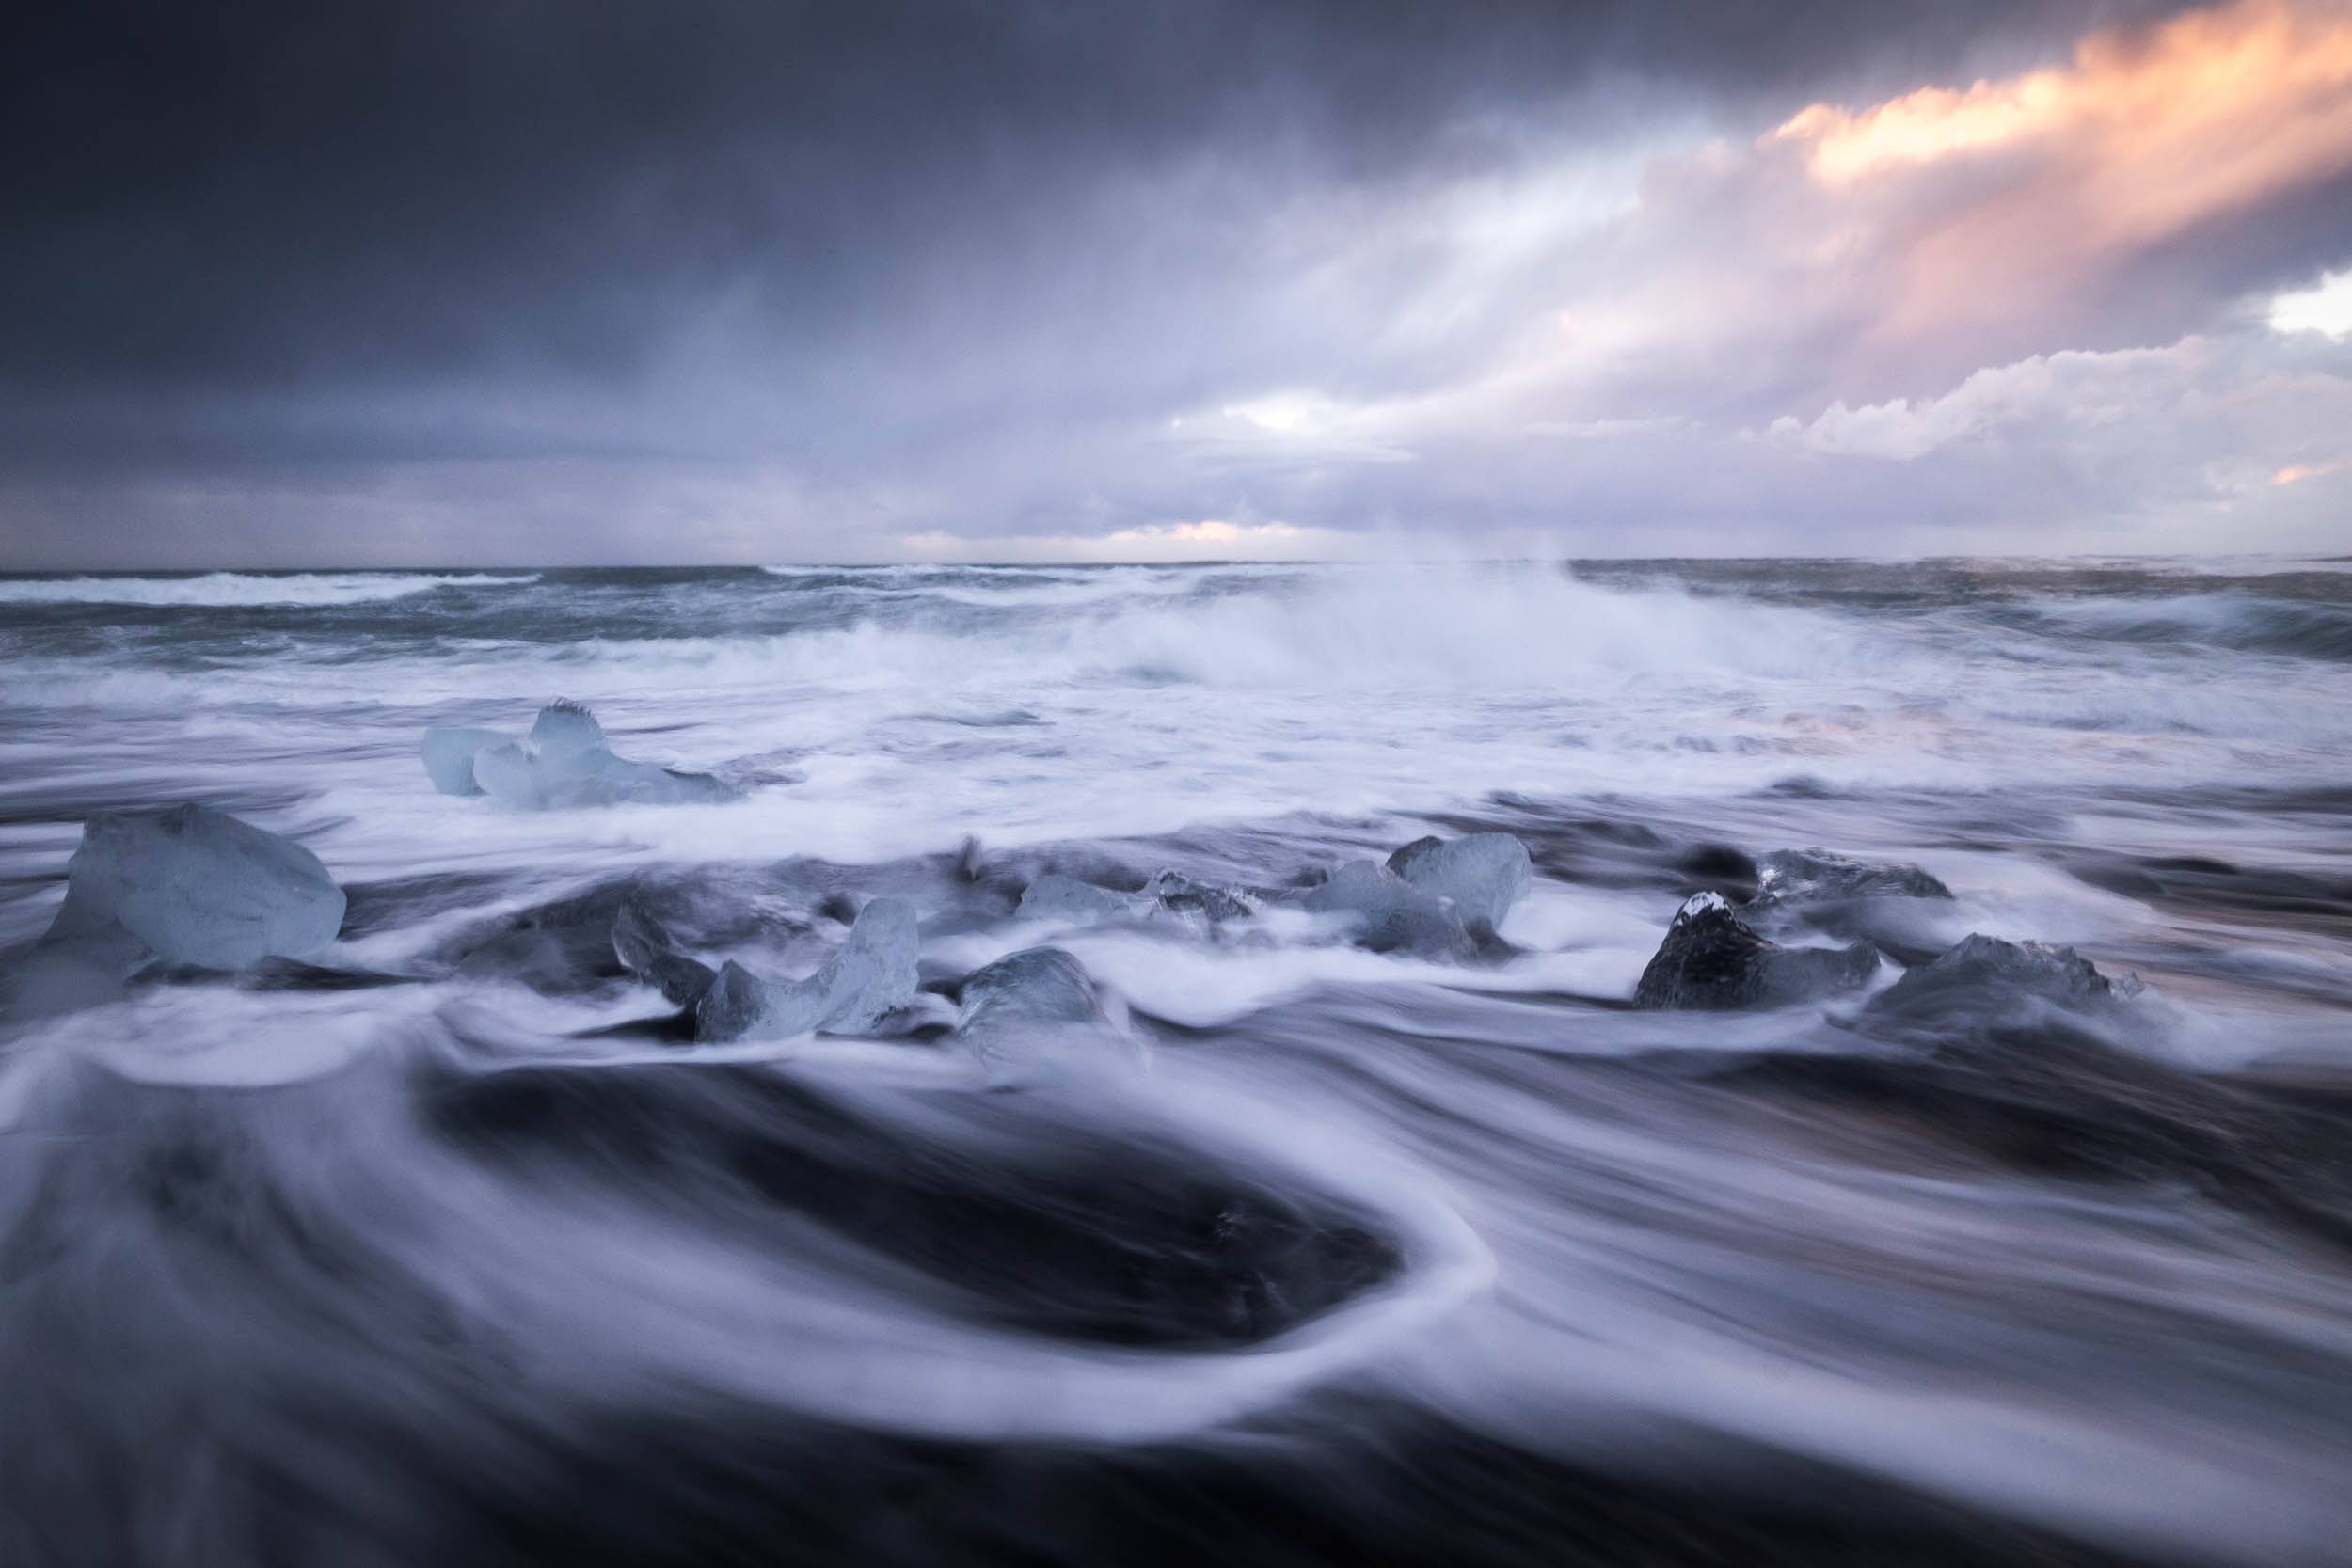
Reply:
x=444, y=1249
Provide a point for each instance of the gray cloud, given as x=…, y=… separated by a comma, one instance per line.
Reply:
x=589, y=281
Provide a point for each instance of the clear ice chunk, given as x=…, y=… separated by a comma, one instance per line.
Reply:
x=1483, y=875
x=1035, y=1013
x=197, y=886
x=1387, y=913
x=448, y=758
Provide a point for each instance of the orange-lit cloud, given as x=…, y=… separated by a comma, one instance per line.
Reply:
x=2293, y=472
x=2143, y=136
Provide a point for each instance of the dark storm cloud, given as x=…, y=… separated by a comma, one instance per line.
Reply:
x=892, y=264
x=225, y=192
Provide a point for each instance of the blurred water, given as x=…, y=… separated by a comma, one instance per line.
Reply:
x=441, y=1251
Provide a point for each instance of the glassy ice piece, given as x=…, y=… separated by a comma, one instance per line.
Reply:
x=448, y=758
x=197, y=886
x=1484, y=875
x=1035, y=1013
x=1387, y=913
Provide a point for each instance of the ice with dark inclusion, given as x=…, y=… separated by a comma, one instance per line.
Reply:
x=1712, y=962
x=1984, y=979
x=1904, y=911
x=871, y=978
x=563, y=762
x=1808, y=876
x=190, y=886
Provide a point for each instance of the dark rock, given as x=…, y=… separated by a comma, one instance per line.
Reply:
x=1711, y=962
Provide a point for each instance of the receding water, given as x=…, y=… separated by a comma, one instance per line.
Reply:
x=445, y=1248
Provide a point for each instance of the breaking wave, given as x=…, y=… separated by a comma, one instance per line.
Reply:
x=214, y=589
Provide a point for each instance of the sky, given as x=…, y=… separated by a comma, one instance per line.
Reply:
x=446, y=282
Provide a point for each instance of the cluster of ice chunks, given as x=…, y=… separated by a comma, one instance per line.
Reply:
x=189, y=886
x=1713, y=961
x=1024, y=1015
x=1432, y=898
x=872, y=976
x=563, y=762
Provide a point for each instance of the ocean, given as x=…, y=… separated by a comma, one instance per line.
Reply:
x=452, y=1242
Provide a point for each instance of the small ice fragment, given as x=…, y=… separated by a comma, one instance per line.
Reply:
x=1054, y=897
x=504, y=772
x=1181, y=896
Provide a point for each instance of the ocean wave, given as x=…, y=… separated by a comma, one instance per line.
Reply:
x=225, y=589
x=2237, y=623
